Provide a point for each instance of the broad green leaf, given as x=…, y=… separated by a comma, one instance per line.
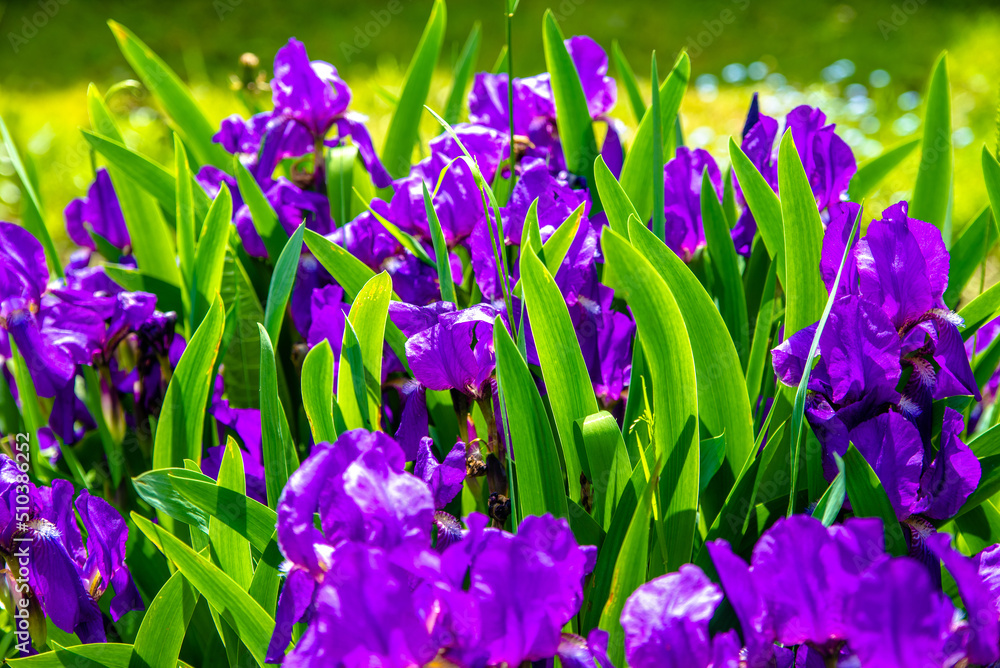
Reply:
x=264, y=218
x=252, y=624
x=186, y=230
x=729, y=290
x=829, y=505
x=585, y=528
x=576, y=129
x=630, y=569
x=281, y=284
x=210, y=255
x=659, y=130
x=402, y=134
x=340, y=161
x=441, y=259
x=317, y=392
x=158, y=490
x=803, y=232
x=980, y=311
x=368, y=316
x=241, y=362
x=667, y=351
x=267, y=576
x=868, y=499
x=352, y=275
x=148, y=175
x=609, y=463
x=732, y=520
x=932, y=192
x=571, y=394
x=96, y=655
x=464, y=70
x=968, y=251
x=35, y=218
x=277, y=446
x=986, y=443
x=798, y=406
x=231, y=552
x=764, y=205
x=761, y=336
x=616, y=203
x=164, y=625
x=713, y=453
x=979, y=529
x=637, y=175
x=723, y=405
x=596, y=595
x=179, y=429
x=991, y=175
x=152, y=244
x=627, y=76
x=176, y=99
x=870, y=174
x=249, y=518
x=539, y=483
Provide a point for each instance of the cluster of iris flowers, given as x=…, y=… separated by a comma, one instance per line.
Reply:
x=378, y=568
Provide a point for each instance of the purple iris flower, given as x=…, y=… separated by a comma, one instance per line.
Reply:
x=682, y=180
x=889, y=350
x=56, y=328
x=99, y=213
x=828, y=160
x=66, y=575
x=846, y=598
x=524, y=587
x=449, y=349
x=666, y=623
x=534, y=104
x=315, y=98
x=445, y=478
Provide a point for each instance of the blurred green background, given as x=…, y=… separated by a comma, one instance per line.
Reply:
x=864, y=63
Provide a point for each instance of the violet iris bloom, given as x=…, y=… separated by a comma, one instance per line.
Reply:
x=98, y=213
x=449, y=349
x=666, y=624
x=534, y=105
x=881, y=367
x=523, y=588
x=846, y=598
x=59, y=327
x=682, y=181
x=67, y=575
x=373, y=590
x=309, y=100
x=828, y=160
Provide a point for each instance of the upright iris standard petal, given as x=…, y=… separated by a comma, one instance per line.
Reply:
x=899, y=620
x=309, y=92
x=98, y=212
x=682, y=179
x=666, y=621
x=953, y=474
x=443, y=478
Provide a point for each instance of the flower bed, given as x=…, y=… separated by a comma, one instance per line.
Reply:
x=559, y=390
